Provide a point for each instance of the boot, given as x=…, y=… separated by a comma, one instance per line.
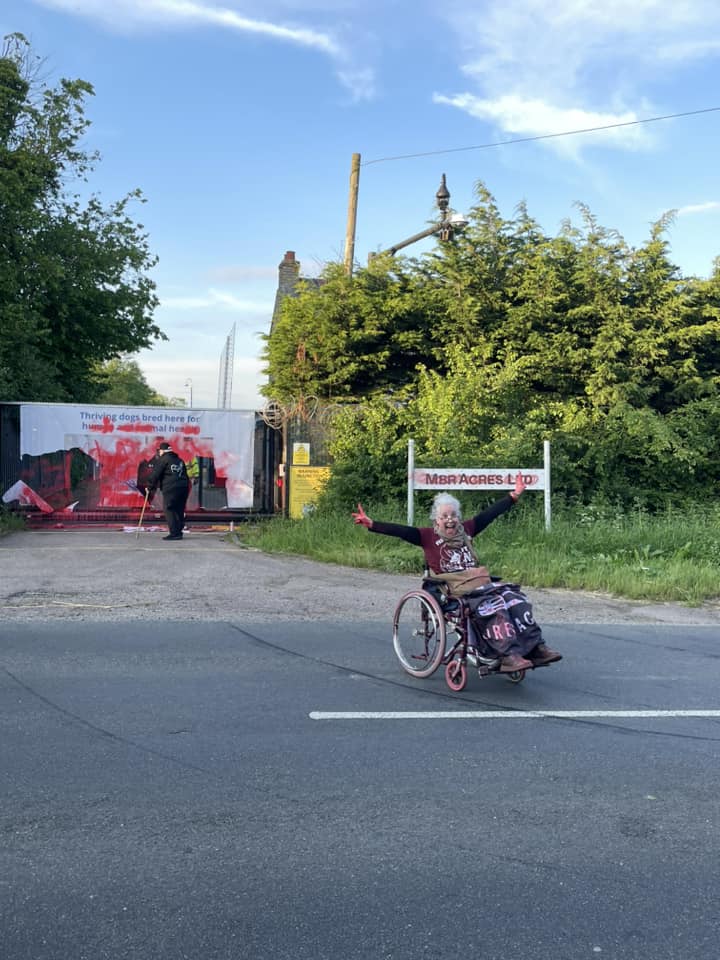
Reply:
x=542, y=655
x=514, y=662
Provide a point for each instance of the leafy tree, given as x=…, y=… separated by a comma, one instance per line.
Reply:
x=349, y=337
x=369, y=451
x=74, y=284
x=506, y=337
x=122, y=381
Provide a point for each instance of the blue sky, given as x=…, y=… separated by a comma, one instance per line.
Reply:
x=238, y=121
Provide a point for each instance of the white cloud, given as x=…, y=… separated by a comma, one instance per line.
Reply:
x=168, y=13
x=194, y=355
x=360, y=81
x=170, y=377
x=218, y=299
x=128, y=15
x=573, y=59
x=688, y=50
x=710, y=206
x=234, y=273
x=535, y=118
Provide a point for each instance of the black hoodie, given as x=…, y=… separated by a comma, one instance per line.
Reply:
x=169, y=473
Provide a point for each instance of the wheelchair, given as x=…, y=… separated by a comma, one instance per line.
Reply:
x=431, y=628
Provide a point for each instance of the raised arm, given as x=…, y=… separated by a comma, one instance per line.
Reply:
x=501, y=506
x=410, y=534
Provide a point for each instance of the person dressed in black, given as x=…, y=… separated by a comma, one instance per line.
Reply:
x=169, y=474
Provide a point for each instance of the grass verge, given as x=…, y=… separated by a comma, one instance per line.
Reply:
x=10, y=521
x=673, y=556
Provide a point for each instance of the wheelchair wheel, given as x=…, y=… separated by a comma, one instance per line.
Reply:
x=456, y=675
x=419, y=633
x=517, y=676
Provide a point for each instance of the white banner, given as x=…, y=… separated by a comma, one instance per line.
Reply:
x=118, y=439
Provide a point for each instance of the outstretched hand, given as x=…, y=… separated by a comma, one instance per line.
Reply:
x=519, y=486
x=361, y=517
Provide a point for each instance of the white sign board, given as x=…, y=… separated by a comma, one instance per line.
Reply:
x=476, y=478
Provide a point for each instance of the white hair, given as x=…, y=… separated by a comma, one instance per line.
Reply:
x=445, y=500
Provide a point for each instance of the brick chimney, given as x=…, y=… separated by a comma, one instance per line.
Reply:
x=288, y=274
x=288, y=277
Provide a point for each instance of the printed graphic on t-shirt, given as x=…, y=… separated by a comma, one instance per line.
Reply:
x=454, y=557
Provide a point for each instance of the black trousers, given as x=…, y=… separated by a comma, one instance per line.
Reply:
x=174, y=509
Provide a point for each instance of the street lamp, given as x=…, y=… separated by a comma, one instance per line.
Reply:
x=188, y=383
x=445, y=228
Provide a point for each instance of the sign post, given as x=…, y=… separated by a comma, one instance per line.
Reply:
x=411, y=483
x=546, y=459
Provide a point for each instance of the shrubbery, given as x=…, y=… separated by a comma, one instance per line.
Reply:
x=505, y=338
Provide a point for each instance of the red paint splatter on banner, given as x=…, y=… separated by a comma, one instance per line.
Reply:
x=119, y=457
x=25, y=495
x=137, y=427
x=116, y=465
x=190, y=447
x=115, y=451
x=107, y=426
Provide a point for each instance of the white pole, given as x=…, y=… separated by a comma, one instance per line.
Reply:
x=546, y=463
x=411, y=483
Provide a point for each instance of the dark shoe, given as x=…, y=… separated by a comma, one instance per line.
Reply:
x=514, y=662
x=542, y=654
x=170, y=537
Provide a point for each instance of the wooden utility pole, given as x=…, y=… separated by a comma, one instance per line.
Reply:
x=352, y=214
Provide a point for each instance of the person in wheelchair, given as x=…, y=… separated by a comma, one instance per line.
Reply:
x=514, y=637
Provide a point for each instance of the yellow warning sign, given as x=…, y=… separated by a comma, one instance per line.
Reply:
x=305, y=485
x=301, y=454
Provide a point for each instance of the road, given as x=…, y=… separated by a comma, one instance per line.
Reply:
x=167, y=793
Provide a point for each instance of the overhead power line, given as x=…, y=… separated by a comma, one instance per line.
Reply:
x=545, y=136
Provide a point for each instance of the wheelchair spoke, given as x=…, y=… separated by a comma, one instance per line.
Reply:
x=419, y=633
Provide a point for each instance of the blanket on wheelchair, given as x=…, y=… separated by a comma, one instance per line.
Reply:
x=503, y=621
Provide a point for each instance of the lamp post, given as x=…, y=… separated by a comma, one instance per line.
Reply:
x=188, y=383
x=446, y=227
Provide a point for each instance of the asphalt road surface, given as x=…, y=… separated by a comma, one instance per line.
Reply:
x=277, y=788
